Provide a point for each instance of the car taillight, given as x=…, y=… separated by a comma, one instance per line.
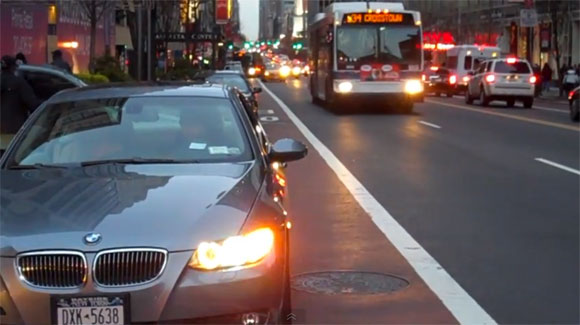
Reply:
x=511, y=60
x=533, y=79
x=423, y=77
x=570, y=95
x=490, y=78
x=453, y=80
x=466, y=79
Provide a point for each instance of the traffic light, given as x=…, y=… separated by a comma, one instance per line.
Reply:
x=269, y=42
x=246, y=45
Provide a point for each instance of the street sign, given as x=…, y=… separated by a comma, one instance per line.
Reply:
x=528, y=18
x=183, y=37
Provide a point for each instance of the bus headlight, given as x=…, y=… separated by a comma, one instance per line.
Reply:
x=413, y=87
x=345, y=87
x=251, y=71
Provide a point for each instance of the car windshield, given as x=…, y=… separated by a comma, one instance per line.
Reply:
x=232, y=80
x=398, y=44
x=517, y=67
x=168, y=128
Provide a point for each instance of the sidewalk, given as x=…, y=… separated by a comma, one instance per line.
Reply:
x=553, y=94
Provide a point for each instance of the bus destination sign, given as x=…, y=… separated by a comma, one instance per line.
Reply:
x=377, y=18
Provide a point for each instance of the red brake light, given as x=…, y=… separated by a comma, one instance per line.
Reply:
x=453, y=79
x=533, y=79
x=423, y=77
x=570, y=95
x=466, y=79
x=434, y=68
x=511, y=60
x=490, y=78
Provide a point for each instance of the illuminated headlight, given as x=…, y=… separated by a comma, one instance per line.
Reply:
x=233, y=251
x=266, y=73
x=285, y=71
x=251, y=71
x=345, y=87
x=296, y=71
x=413, y=87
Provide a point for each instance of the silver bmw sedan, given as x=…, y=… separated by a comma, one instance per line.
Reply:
x=145, y=204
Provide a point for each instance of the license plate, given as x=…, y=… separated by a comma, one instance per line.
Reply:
x=94, y=310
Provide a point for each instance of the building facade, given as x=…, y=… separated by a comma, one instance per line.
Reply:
x=542, y=31
x=36, y=28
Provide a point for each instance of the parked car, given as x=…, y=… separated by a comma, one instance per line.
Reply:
x=506, y=79
x=239, y=81
x=156, y=204
x=47, y=80
x=574, y=100
x=234, y=65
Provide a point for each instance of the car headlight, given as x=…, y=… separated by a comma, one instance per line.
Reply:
x=233, y=251
x=252, y=71
x=413, y=87
x=266, y=73
x=296, y=70
x=285, y=71
x=345, y=87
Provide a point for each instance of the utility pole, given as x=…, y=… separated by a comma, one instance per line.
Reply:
x=140, y=43
x=149, y=41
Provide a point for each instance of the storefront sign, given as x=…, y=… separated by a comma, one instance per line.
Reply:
x=528, y=18
x=222, y=11
x=545, y=38
x=182, y=37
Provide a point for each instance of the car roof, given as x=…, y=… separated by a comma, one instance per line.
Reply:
x=45, y=68
x=142, y=89
x=225, y=72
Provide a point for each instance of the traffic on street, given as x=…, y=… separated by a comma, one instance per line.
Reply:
x=353, y=174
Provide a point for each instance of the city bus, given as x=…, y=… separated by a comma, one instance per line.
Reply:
x=366, y=50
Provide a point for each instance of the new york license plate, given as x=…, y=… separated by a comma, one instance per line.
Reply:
x=95, y=310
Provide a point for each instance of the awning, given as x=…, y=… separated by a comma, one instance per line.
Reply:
x=123, y=37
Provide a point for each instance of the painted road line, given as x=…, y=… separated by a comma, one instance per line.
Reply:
x=430, y=124
x=550, y=109
x=510, y=116
x=554, y=164
x=463, y=307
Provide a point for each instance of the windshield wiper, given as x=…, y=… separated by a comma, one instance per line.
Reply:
x=138, y=161
x=40, y=166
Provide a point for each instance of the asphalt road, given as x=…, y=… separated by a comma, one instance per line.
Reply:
x=491, y=194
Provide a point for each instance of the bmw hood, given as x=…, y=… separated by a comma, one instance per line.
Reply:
x=93, y=208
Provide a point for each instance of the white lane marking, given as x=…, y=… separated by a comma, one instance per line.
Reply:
x=550, y=109
x=463, y=307
x=270, y=111
x=430, y=124
x=554, y=164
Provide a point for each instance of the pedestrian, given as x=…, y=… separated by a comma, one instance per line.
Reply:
x=17, y=101
x=538, y=85
x=546, y=77
x=58, y=61
x=20, y=58
x=570, y=81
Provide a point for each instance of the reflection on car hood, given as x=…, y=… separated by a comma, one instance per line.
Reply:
x=167, y=206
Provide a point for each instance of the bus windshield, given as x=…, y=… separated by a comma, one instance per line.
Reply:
x=358, y=45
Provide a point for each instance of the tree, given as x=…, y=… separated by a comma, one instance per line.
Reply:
x=94, y=11
x=557, y=14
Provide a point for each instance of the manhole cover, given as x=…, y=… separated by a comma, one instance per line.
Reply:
x=348, y=282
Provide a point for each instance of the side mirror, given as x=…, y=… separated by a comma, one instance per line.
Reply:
x=256, y=90
x=285, y=150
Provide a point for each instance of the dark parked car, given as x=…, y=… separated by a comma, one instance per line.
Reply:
x=145, y=204
x=47, y=80
x=237, y=80
x=574, y=100
x=439, y=80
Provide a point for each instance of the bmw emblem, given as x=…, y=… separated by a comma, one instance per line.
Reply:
x=92, y=238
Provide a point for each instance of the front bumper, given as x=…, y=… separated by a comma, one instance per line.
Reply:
x=180, y=294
